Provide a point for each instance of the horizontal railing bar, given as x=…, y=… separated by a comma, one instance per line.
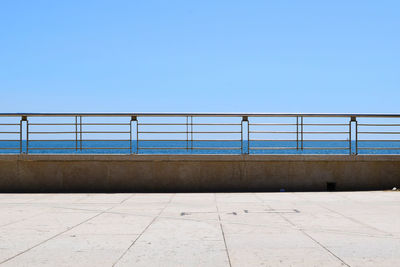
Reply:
x=294, y=140
x=53, y=140
x=272, y=132
x=216, y=148
x=194, y=148
x=213, y=132
x=272, y=124
x=50, y=124
x=378, y=140
x=379, y=132
x=61, y=140
x=162, y=147
x=368, y=124
x=286, y=132
x=104, y=140
x=325, y=132
x=73, y=124
x=51, y=132
x=140, y=132
x=194, y=124
x=294, y=124
x=324, y=140
x=68, y=140
x=50, y=148
x=138, y=114
x=159, y=124
x=379, y=148
x=273, y=148
x=155, y=140
x=61, y=148
x=310, y=148
x=104, y=124
x=172, y=140
x=194, y=140
x=77, y=132
x=272, y=140
x=10, y=148
x=216, y=124
x=326, y=148
x=91, y=132
x=325, y=124
x=106, y=148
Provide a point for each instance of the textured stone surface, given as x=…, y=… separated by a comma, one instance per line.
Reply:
x=196, y=173
x=208, y=229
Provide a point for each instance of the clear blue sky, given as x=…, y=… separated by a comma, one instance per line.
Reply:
x=200, y=56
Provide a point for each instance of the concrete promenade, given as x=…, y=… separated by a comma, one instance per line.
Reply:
x=222, y=229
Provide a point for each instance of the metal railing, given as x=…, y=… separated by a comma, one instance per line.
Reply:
x=199, y=133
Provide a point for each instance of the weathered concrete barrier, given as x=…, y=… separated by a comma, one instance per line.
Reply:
x=196, y=173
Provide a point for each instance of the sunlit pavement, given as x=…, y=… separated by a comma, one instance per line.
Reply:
x=223, y=229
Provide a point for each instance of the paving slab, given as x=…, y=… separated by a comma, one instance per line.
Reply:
x=210, y=229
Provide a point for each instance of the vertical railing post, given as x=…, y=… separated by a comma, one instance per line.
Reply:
x=23, y=118
x=356, y=135
x=76, y=133
x=133, y=120
x=302, y=130
x=80, y=133
x=191, y=133
x=248, y=135
x=245, y=119
x=353, y=121
x=350, y=125
x=27, y=133
x=187, y=133
x=241, y=136
x=297, y=133
x=20, y=136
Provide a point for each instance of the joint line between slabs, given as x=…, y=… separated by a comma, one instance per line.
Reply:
x=353, y=219
x=303, y=232
x=144, y=230
x=222, y=230
x=54, y=236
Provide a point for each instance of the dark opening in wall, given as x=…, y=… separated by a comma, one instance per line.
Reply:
x=330, y=186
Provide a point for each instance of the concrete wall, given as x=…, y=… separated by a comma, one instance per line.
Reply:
x=196, y=173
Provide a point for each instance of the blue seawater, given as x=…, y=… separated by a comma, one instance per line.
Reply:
x=199, y=147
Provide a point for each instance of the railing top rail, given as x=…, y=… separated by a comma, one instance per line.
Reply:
x=178, y=114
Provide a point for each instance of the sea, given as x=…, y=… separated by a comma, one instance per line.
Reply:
x=199, y=147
